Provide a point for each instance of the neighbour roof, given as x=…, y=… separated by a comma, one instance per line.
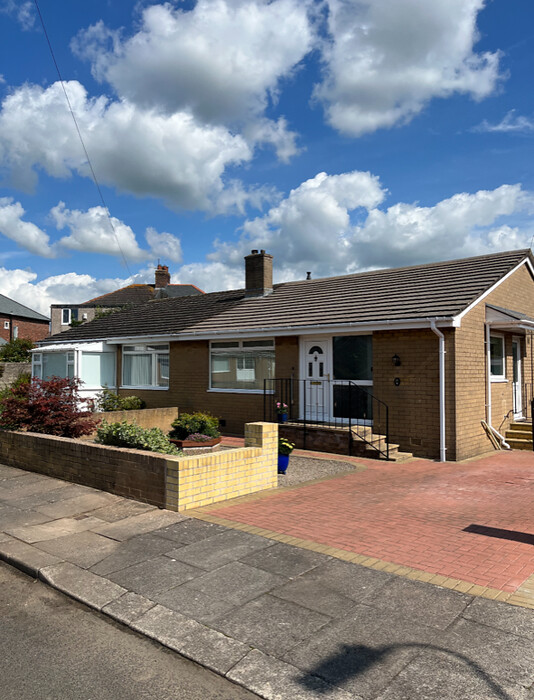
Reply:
x=437, y=290
x=135, y=294
x=13, y=308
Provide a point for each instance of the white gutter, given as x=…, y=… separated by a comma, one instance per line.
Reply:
x=442, y=446
x=488, y=388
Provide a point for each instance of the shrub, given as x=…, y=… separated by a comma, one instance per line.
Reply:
x=108, y=400
x=23, y=378
x=126, y=434
x=50, y=406
x=17, y=350
x=189, y=423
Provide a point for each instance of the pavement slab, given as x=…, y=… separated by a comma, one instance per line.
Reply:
x=64, y=490
x=132, y=551
x=11, y=517
x=94, y=591
x=121, y=509
x=138, y=524
x=154, y=576
x=26, y=557
x=166, y=626
x=26, y=485
x=500, y=616
x=53, y=529
x=10, y=472
x=213, y=650
x=273, y=679
x=128, y=607
x=189, y=531
x=83, y=548
x=68, y=507
x=315, y=596
x=220, y=549
x=284, y=560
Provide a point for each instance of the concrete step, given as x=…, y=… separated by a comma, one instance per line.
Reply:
x=518, y=435
x=519, y=444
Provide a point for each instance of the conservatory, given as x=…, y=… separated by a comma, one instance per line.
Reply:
x=93, y=363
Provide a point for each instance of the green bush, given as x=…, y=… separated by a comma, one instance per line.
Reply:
x=17, y=350
x=189, y=423
x=108, y=400
x=126, y=434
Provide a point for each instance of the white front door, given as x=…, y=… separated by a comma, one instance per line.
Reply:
x=317, y=387
x=516, y=387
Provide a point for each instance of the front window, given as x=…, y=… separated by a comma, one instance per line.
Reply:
x=65, y=317
x=497, y=357
x=6, y=325
x=241, y=365
x=98, y=369
x=145, y=366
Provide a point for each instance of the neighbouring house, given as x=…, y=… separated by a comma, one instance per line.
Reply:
x=18, y=321
x=419, y=354
x=63, y=315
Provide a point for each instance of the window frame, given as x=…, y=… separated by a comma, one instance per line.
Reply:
x=498, y=377
x=238, y=347
x=154, y=353
x=6, y=325
x=69, y=313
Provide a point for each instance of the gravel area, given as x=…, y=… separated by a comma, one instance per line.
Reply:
x=302, y=469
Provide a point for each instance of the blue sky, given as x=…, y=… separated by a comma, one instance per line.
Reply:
x=338, y=135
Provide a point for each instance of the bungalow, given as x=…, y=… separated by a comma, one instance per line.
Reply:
x=421, y=355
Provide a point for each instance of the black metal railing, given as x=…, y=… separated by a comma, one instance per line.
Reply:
x=331, y=404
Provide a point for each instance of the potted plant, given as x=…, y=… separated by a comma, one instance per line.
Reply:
x=281, y=411
x=285, y=448
x=195, y=430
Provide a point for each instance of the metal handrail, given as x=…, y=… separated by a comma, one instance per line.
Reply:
x=353, y=396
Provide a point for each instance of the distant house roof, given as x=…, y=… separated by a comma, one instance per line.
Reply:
x=135, y=294
x=10, y=307
x=439, y=290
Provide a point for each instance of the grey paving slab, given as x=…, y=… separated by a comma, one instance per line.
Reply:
x=501, y=616
x=27, y=485
x=166, y=626
x=430, y=605
x=10, y=472
x=364, y=653
x=138, y=524
x=285, y=560
x=189, y=531
x=25, y=556
x=83, y=548
x=52, y=529
x=438, y=675
x=213, y=650
x=220, y=549
x=64, y=490
x=235, y=582
x=132, y=551
x=128, y=607
x=351, y=580
x=271, y=624
x=11, y=517
x=315, y=596
x=154, y=576
x=273, y=679
x=120, y=509
x=202, y=607
x=81, y=584
x=68, y=507
x=502, y=655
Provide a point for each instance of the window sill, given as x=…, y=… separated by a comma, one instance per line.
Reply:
x=499, y=380
x=238, y=391
x=145, y=388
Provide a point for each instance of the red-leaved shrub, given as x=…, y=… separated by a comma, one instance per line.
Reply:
x=50, y=406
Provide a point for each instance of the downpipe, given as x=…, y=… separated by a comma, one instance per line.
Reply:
x=442, y=446
x=488, y=391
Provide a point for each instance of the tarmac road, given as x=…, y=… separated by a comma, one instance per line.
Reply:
x=52, y=648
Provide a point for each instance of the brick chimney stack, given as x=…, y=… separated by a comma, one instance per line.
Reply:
x=258, y=274
x=162, y=276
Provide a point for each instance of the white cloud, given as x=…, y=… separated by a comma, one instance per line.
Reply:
x=24, y=233
x=23, y=11
x=384, y=61
x=135, y=150
x=92, y=231
x=164, y=245
x=223, y=59
x=509, y=124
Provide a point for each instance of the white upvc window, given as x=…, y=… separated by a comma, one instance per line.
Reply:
x=241, y=365
x=6, y=325
x=37, y=365
x=497, y=358
x=65, y=317
x=145, y=366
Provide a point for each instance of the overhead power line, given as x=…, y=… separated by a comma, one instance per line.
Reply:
x=78, y=131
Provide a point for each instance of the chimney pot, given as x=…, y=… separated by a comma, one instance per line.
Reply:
x=258, y=274
x=308, y=275
x=162, y=276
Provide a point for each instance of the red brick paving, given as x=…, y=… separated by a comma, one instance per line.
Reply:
x=414, y=514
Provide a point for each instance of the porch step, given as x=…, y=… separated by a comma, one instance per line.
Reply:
x=519, y=444
x=366, y=436
x=519, y=435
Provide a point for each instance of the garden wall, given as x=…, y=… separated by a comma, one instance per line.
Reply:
x=9, y=371
x=169, y=482
x=144, y=417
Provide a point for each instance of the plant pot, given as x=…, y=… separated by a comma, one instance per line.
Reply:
x=195, y=443
x=283, y=461
x=282, y=417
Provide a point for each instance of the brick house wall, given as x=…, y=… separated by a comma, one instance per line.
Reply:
x=32, y=329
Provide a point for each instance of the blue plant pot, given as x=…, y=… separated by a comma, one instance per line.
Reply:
x=282, y=417
x=283, y=461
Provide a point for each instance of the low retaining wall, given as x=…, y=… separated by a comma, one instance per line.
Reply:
x=143, y=417
x=169, y=482
x=9, y=371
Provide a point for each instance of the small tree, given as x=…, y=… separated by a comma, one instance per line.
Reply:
x=50, y=406
x=17, y=350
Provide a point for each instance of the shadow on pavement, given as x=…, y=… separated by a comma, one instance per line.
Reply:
x=352, y=660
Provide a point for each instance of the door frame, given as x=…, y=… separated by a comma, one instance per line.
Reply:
x=517, y=386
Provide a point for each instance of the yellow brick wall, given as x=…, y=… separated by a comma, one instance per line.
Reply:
x=200, y=480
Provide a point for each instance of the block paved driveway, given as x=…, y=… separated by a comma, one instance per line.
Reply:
x=416, y=515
